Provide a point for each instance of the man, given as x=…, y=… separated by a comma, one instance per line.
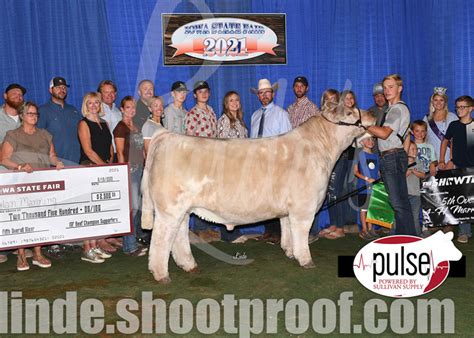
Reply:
x=146, y=90
x=108, y=93
x=61, y=120
x=393, y=158
x=10, y=120
x=175, y=114
x=299, y=111
x=380, y=107
x=302, y=109
x=269, y=120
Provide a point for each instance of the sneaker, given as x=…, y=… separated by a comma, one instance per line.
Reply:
x=137, y=253
x=41, y=262
x=91, y=256
x=101, y=252
x=3, y=258
x=312, y=238
x=22, y=265
x=463, y=239
x=28, y=253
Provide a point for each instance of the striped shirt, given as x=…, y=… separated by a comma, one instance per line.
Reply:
x=300, y=111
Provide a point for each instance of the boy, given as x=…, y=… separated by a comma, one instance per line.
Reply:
x=426, y=152
x=461, y=135
x=174, y=114
x=414, y=175
x=367, y=171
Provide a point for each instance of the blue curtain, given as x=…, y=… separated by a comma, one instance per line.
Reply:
x=341, y=44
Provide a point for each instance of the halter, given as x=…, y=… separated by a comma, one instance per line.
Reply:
x=357, y=123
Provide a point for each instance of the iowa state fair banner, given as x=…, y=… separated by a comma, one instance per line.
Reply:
x=448, y=198
x=225, y=39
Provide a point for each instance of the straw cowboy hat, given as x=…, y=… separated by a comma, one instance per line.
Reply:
x=264, y=84
x=363, y=137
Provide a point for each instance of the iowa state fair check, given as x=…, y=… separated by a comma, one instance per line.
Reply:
x=65, y=205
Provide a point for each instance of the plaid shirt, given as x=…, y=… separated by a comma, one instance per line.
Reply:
x=300, y=111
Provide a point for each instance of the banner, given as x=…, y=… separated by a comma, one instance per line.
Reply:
x=448, y=198
x=53, y=206
x=380, y=210
x=227, y=39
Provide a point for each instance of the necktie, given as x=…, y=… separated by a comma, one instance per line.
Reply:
x=262, y=122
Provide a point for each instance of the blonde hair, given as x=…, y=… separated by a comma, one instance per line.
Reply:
x=225, y=109
x=153, y=99
x=432, y=108
x=87, y=98
x=394, y=77
x=325, y=96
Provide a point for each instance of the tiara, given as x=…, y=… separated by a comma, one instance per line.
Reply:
x=439, y=90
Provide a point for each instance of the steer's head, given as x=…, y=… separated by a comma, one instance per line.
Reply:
x=354, y=118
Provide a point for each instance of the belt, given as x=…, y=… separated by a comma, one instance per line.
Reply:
x=390, y=151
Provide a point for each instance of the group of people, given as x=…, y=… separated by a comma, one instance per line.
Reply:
x=35, y=137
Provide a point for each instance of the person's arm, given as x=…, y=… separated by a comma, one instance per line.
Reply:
x=146, y=145
x=111, y=158
x=85, y=140
x=433, y=168
x=53, y=158
x=442, y=154
x=120, y=145
x=382, y=132
x=7, y=151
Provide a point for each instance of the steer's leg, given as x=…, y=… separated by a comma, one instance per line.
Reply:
x=286, y=239
x=181, y=249
x=164, y=233
x=300, y=230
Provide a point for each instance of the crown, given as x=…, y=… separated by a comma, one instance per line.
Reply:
x=439, y=90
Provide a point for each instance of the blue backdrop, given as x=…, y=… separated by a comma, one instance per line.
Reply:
x=341, y=44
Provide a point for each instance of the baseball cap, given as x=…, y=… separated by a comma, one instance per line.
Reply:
x=301, y=79
x=378, y=89
x=200, y=85
x=179, y=86
x=58, y=81
x=15, y=86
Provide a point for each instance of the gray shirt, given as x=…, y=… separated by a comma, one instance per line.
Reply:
x=173, y=119
x=6, y=123
x=398, y=119
x=413, y=182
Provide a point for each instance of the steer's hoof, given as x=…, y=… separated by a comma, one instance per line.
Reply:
x=164, y=280
x=194, y=271
x=309, y=265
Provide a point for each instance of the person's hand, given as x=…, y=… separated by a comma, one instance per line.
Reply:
x=433, y=170
x=59, y=165
x=25, y=167
x=441, y=165
x=450, y=165
x=371, y=180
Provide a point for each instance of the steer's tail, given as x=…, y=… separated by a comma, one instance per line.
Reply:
x=147, y=203
x=148, y=217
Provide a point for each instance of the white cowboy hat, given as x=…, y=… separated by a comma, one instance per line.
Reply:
x=363, y=137
x=264, y=84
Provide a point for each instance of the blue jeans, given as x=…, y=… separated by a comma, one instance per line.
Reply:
x=393, y=167
x=338, y=212
x=415, y=202
x=130, y=241
x=465, y=229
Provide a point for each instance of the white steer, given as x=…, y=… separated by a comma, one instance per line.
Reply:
x=239, y=181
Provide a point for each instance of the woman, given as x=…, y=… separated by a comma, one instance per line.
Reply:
x=438, y=120
x=96, y=148
x=337, y=182
x=154, y=122
x=24, y=149
x=129, y=145
x=231, y=123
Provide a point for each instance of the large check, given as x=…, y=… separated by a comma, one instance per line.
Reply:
x=72, y=204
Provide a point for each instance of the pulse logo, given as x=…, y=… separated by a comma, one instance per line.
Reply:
x=405, y=266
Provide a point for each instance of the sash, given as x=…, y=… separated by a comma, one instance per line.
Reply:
x=436, y=131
